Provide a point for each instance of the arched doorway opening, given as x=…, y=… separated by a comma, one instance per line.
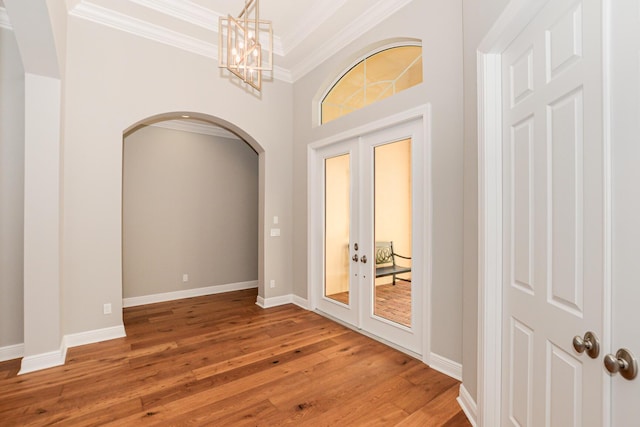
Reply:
x=191, y=208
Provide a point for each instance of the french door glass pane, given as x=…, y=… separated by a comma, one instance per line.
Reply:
x=392, y=231
x=336, y=229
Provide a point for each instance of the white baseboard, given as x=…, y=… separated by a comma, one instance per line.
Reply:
x=282, y=300
x=274, y=301
x=43, y=361
x=90, y=337
x=446, y=366
x=301, y=302
x=11, y=352
x=188, y=293
x=468, y=405
x=57, y=358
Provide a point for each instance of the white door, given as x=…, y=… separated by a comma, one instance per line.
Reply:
x=337, y=290
x=554, y=231
x=392, y=210
x=625, y=140
x=369, y=194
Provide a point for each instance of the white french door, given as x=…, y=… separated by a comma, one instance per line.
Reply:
x=369, y=194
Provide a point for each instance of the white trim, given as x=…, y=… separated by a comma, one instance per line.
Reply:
x=468, y=405
x=4, y=19
x=192, y=126
x=196, y=15
x=514, y=18
x=274, y=301
x=607, y=298
x=489, y=242
x=57, y=358
x=186, y=11
x=377, y=13
x=91, y=337
x=187, y=293
x=446, y=366
x=110, y=18
x=11, y=352
x=205, y=18
x=43, y=361
x=314, y=17
x=420, y=112
x=301, y=302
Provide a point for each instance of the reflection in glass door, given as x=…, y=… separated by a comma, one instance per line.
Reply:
x=337, y=217
x=392, y=231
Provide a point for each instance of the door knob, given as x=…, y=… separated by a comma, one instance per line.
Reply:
x=363, y=259
x=355, y=257
x=622, y=362
x=589, y=343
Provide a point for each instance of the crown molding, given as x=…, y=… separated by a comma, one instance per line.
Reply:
x=119, y=21
x=320, y=12
x=375, y=15
x=184, y=10
x=131, y=25
x=4, y=19
x=196, y=127
x=196, y=15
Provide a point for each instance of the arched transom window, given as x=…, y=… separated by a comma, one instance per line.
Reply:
x=376, y=77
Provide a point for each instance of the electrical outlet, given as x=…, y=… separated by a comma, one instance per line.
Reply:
x=106, y=309
x=272, y=283
x=185, y=277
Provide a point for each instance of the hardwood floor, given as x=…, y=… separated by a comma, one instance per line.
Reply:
x=222, y=360
x=392, y=302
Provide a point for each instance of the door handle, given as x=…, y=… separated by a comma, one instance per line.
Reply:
x=363, y=259
x=589, y=343
x=623, y=362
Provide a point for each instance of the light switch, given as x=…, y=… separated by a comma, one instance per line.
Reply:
x=276, y=219
x=275, y=232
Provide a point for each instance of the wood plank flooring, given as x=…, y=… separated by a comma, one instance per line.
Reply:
x=221, y=360
x=393, y=302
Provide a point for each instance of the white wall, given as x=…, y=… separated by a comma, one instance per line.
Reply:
x=115, y=80
x=11, y=190
x=478, y=18
x=439, y=25
x=190, y=206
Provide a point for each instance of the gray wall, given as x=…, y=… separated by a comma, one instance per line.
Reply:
x=11, y=190
x=115, y=80
x=190, y=205
x=439, y=25
x=478, y=18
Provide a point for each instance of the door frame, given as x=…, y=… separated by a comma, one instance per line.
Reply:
x=314, y=230
x=509, y=25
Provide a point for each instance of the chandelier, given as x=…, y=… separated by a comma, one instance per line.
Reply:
x=243, y=44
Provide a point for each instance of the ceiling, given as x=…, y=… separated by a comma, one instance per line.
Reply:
x=306, y=32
